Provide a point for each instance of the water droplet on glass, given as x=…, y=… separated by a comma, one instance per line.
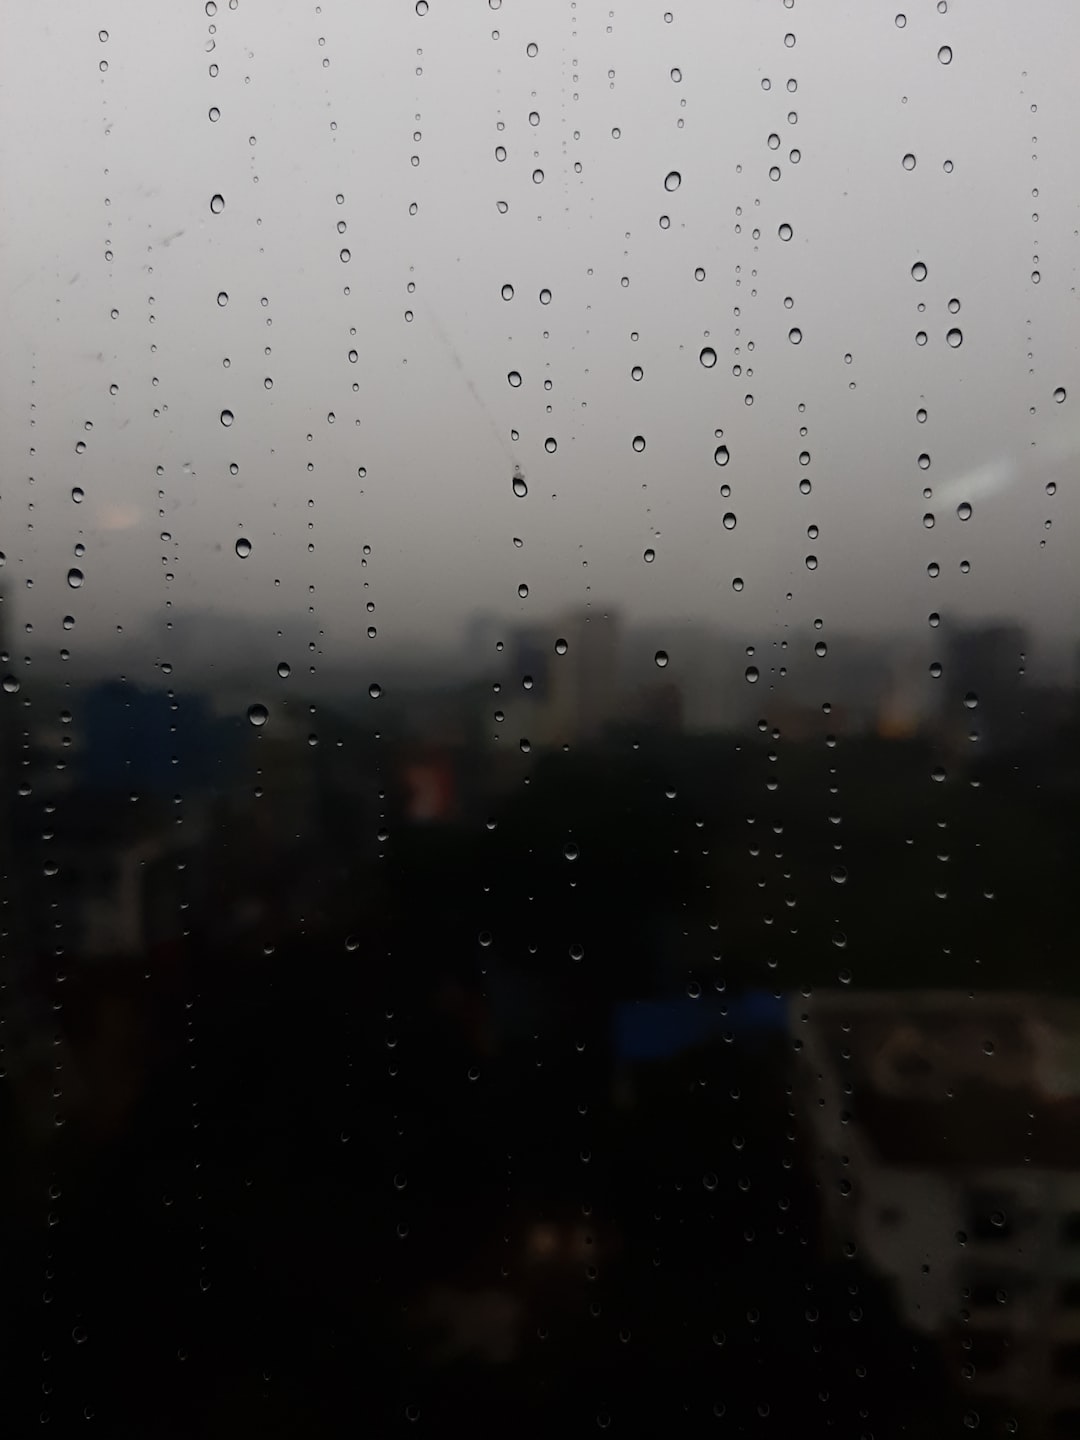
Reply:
x=519, y=486
x=284, y=669
x=928, y=520
x=752, y=674
x=672, y=180
x=243, y=547
x=226, y=418
x=708, y=357
x=649, y=556
x=570, y=850
x=523, y=591
x=918, y=271
x=737, y=583
x=514, y=378
x=729, y=520
x=963, y=510
x=795, y=335
x=11, y=685
x=258, y=715
x=374, y=690
x=945, y=55
x=1059, y=394
x=545, y=297
x=721, y=455
x=661, y=658
x=785, y=232
x=901, y=21
x=217, y=204
x=560, y=646
x=551, y=444
x=971, y=700
x=955, y=337
x=75, y=578
x=811, y=562
x=77, y=494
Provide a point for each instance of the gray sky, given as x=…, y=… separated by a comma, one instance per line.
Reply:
x=321, y=101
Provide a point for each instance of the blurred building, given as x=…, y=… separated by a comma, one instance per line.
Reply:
x=943, y=1128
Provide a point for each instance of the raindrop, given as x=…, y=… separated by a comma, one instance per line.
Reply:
x=514, y=378
x=11, y=685
x=77, y=494
x=971, y=700
x=737, y=583
x=217, y=204
x=538, y=177
x=523, y=591
x=963, y=510
x=928, y=520
x=672, y=180
x=901, y=21
x=636, y=373
x=284, y=669
x=721, y=455
x=649, y=556
x=918, y=271
x=551, y=444
x=955, y=337
x=661, y=658
x=74, y=578
x=243, y=547
x=752, y=674
x=561, y=646
x=570, y=850
x=908, y=161
x=520, y=488
x=699, y=273
x=374, y=690
x=258, y=715
x=545, y=297
x=795, y=335
x=223, y=298
x=811, y=562
x=785, y=232
x=708, y=357
x=507, y=292
x=729, y=520
x=638, y=443
x=945, y=55
x=1059, y=394
x=226, y=418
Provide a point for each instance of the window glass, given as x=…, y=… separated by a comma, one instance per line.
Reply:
x=538, y=731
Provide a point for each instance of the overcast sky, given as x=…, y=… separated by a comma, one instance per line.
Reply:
x=107, y=188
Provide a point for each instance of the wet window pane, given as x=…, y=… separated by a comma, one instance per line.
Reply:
x=539, y=719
